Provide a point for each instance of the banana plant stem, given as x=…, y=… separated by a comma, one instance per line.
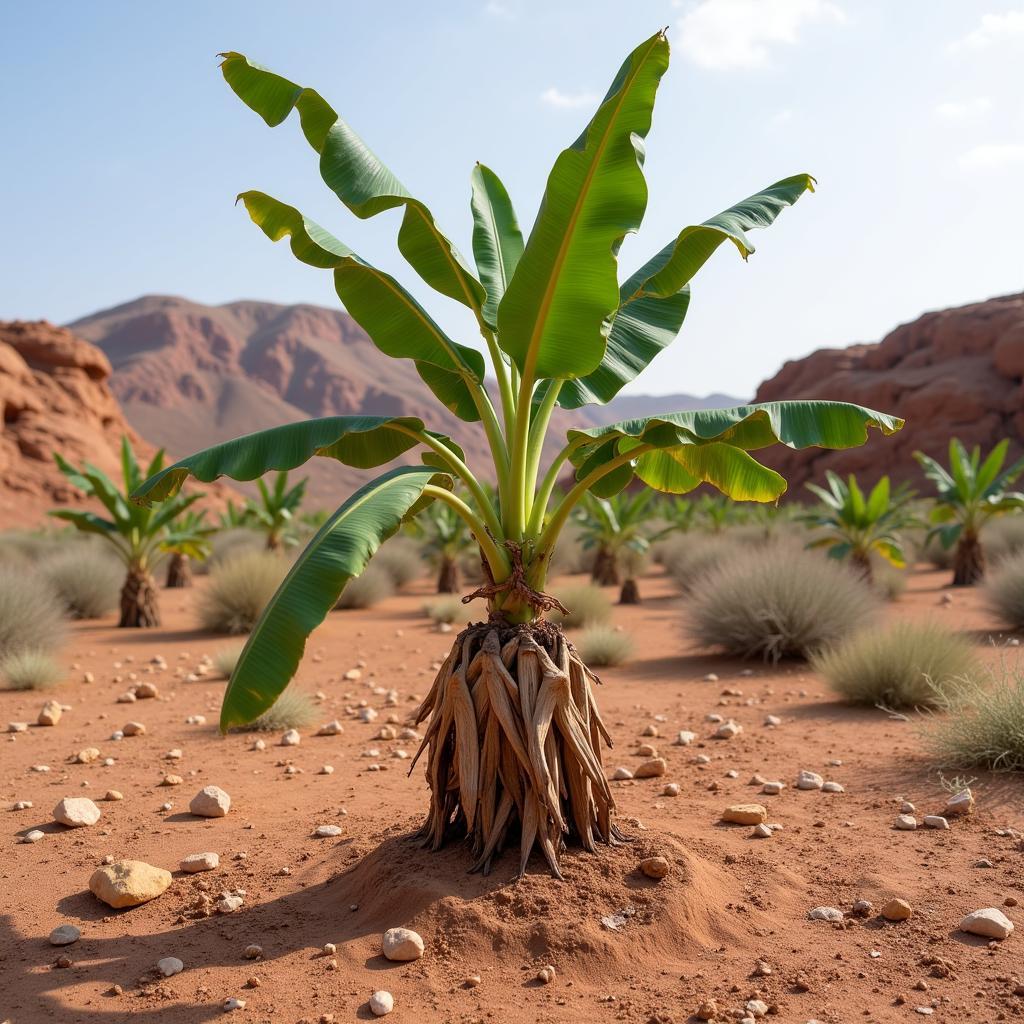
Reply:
x=496, y=557
x=540, y=504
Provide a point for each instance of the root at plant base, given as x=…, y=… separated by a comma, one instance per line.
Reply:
x=513, y=747
x=630, y=592
x=179, y=572
x=139, y=601
x=968, y=562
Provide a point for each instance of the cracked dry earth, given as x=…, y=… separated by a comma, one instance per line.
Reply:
x=728, y=903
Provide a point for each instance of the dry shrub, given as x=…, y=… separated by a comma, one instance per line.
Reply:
x=31, y=613
x=29, y=670
x=907, y=665
x=225, y=659
x=238, y=590
x=1004, y=592
x=227, y=544
x=601, y=645
x=588, y=606
x=690, y=558
x=889, y=581
x=87, y=580
x=400, y=558
x=779, y=602
x=372, y=587
x=1003, y=537
x=985, y=727
x=570, y=556
x=294, y=709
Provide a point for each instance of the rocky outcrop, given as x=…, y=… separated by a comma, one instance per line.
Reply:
x=953, y=373
x=54, y=396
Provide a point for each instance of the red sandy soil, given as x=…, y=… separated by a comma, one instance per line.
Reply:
x=728, y=902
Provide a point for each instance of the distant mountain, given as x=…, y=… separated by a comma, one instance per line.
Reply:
x=189, y=375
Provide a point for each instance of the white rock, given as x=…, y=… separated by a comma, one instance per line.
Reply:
x=229, y=904
x=327, y=831
x=825, y=914
x=905, y=822
x=22, y=805
x=935, y=821
x=684, y=738
x=762, y=831
x=711, y=677
x=33, y=837
x=671, y=789
x=960, y=803
x=64, y=935
x=327, y=769
x=76, y=812
x=832, y=787
x=621, y=773
x=727, y=730
x=17, y=726
x=809, y=780
x=713, y=717
x=334, y=728
x=382, y=1003
x=232, y=1003
x=196, y=862
x=50, y=713
x=169, y=965
x=988, y=922
x=291, y=738
x=402, y=944
x=367, y=715
x=210, y=802
x=773, y=788
x=757, y=1008
x=772, y=720
x=907, y=808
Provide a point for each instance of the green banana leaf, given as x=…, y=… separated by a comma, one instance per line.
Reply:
x=398, y=325
x=553, y=319
x=497, y=240
x=360, y=441
x=340, y=551
x=356, y=175
x=677, y=464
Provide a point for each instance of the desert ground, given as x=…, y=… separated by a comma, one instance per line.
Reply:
x=728, y=923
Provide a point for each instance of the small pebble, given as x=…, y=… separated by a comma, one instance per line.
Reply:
x=64, y=935
x=381, y=1003
x=168, y=966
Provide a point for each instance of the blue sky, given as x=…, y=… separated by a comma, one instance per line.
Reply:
x=123, y=151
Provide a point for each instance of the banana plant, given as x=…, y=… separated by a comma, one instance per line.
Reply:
x=190, y=542
x=137, y=534
x=855, y=527
x=968, y=494
x=619, y=529
x=274, y=513
x=513, y=744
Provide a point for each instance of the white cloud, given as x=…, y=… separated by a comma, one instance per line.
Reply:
x=992, y=28
x=567, y=100
x=993, y=156
x=496, y=9
x=726, y=35
x=958, y=110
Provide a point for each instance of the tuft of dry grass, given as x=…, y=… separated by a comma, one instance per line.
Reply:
x=294, y=709
x=1004, y=591
x=400, y=558
x=30, y=670
x=588, y=606
x=691, y=557
x=783, y=602
x=372, y=587
x=225, y=659
x=238, y=591
x=31, y=613
x=984, y=727
x=600, y=646
x=907, y=665
x=87, y=580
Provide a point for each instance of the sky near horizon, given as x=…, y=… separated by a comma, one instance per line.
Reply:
x=124, y=149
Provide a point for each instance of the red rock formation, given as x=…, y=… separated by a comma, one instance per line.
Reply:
x=54, y=396
x=953, y=373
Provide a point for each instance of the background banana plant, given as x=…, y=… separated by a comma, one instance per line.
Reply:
x=273, y=514
x=559, y=328
x=968, y=494
x=190, y=542
x=854, y=527
x=446, y=540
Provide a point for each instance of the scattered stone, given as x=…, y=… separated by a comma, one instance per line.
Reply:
x=330, y=949
x=291, y=738
x=745, y=814
x=171, y=780
x=210, y=802
x=960, y=803
x=773, y=788
x=897, y=910
x=133, y=729
x=334, y=728
x=934, y=821
x=757, y=1008
x=809, y=780
x=326, y=769
x=76, y=812
x=402, y=944
x=86, y=756
x=906, y=807
x=17, y=726
x=229, y=903
x=984, y=863
x=621, y=773
x=381, y=1003
x=727, y=730
x=232, y=1003
x=905, y=822
x=327, y=831
x=253, y=952
x=367, y=715
x=707, y=1010
x=671, y=789
x=987, y=922
x=64, y=935
x=762, y=831
x=113, y=795
x=472, y=981
x=127, y=698
x=196, y=862
x=546, y=974
x=772, y=720
x=128, y=883
x=646, y=750
x=651, y=769
x=50, y=713
x=654, y=867
x=684, y=738
x=711, y=677
x=22, y=805
x=169, y=966
x=34, y=836
x=862, y=908
x=650, y=730
x=146, y=691
x=825, y=914
x=832, y=787
x=762, y=969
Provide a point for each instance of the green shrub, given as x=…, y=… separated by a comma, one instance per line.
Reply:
x=447, y=609
x=400, y=558
x=225, y=659
x=238, y=590
x=29, y=670
x=783, y=602
x=31, y=613
x=907, y=665
x=87, y=580
x=985, y=728
x=372, y=587
x=1004, y=592
x=588, y=606
x=294, y=709
x=600, y=646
